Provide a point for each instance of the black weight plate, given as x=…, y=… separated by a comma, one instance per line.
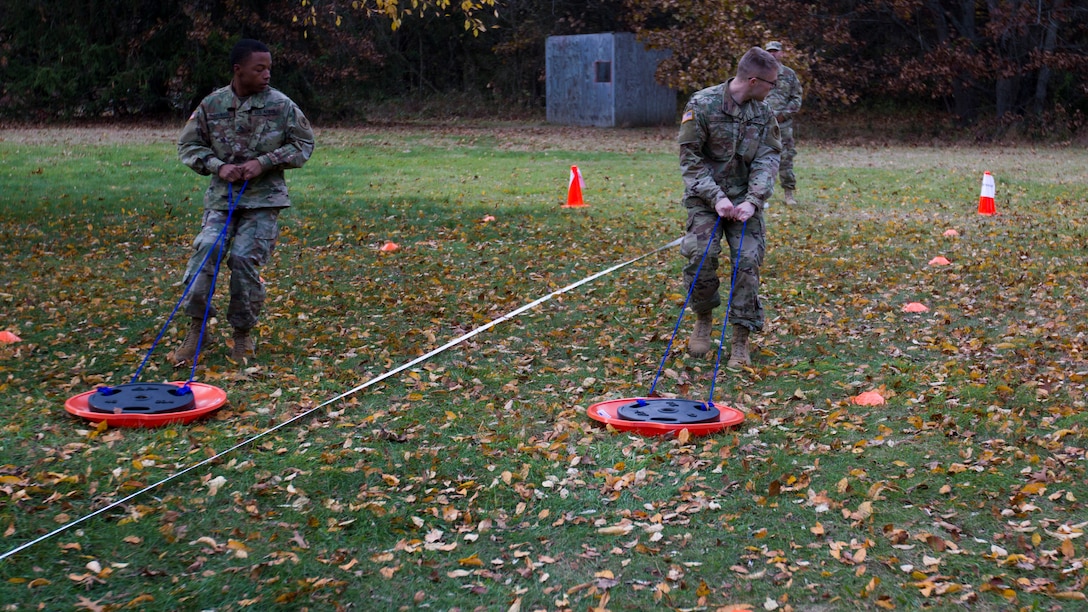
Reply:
x=142, y=398
x=664, y=410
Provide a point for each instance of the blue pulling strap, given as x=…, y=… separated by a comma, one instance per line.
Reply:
x=725, y=325
x=221, y=241
x=728, y=307
x=691, y=289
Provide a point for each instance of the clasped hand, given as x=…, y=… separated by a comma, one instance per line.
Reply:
x=740, y=212
x=233, y=173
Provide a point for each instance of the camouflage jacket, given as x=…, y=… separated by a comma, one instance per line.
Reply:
x=726, y=149
x=785, y=98
x=267, y=126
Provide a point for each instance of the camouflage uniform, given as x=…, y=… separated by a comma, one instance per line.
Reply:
x=785, y=100
x=726, y=150
x=266, y=126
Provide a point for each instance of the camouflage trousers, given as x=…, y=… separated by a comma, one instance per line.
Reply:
x=789, y=150
x=746, y=310
x=249, y=242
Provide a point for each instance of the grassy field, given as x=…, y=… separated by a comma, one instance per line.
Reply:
x=475, y=480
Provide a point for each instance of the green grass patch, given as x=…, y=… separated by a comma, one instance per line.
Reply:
x=474, y=480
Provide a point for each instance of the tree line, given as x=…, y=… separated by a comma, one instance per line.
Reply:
x=1003, y=60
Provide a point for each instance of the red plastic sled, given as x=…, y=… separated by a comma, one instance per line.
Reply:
x=207, y=399
x=607, y=413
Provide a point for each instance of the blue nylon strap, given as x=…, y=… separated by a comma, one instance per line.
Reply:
x=219, y=240
x=222, y=241
x=728, y=307
x=691, y=289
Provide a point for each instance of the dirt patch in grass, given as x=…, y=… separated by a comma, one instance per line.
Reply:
x=536, y=135
x=511, y=136
x=91, y=134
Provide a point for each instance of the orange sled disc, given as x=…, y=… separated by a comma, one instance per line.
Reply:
x=207, y=399
x=609, y=413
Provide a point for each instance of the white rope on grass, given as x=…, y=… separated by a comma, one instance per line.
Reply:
x=372, y=381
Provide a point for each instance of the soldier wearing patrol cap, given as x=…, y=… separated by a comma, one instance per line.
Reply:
x=729, y=148
x=785, y=101
x=245, y=133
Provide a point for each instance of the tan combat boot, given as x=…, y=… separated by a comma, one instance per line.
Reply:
x=738, y=353
x=790, y=201
x=244, y=346
x=185, y=353
x=699, y=343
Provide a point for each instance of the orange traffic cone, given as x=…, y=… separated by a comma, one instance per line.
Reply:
x=986, y=198
x=574, y=189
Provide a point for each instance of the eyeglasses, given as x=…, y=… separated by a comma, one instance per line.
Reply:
x=773, y=84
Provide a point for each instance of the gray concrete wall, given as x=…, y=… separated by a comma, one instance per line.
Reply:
x=578, y=95
x=574, y=96
x=639, y=99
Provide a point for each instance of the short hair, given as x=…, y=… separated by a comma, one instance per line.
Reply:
x=754, y=62
x=244, y=48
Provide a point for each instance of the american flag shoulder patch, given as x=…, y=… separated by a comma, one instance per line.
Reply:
x=688, y=116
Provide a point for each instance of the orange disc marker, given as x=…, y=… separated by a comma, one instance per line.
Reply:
x=869, y=398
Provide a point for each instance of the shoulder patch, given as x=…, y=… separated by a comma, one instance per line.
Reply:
x=688, y=116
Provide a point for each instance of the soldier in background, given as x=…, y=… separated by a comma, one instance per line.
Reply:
x=729, y=149
x=785, y=100
x=246, y=131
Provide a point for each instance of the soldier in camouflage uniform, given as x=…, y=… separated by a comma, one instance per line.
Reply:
x=785, y=100
x=729, y=151
x=251, y=132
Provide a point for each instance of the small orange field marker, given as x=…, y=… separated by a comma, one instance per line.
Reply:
x=869, y=398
